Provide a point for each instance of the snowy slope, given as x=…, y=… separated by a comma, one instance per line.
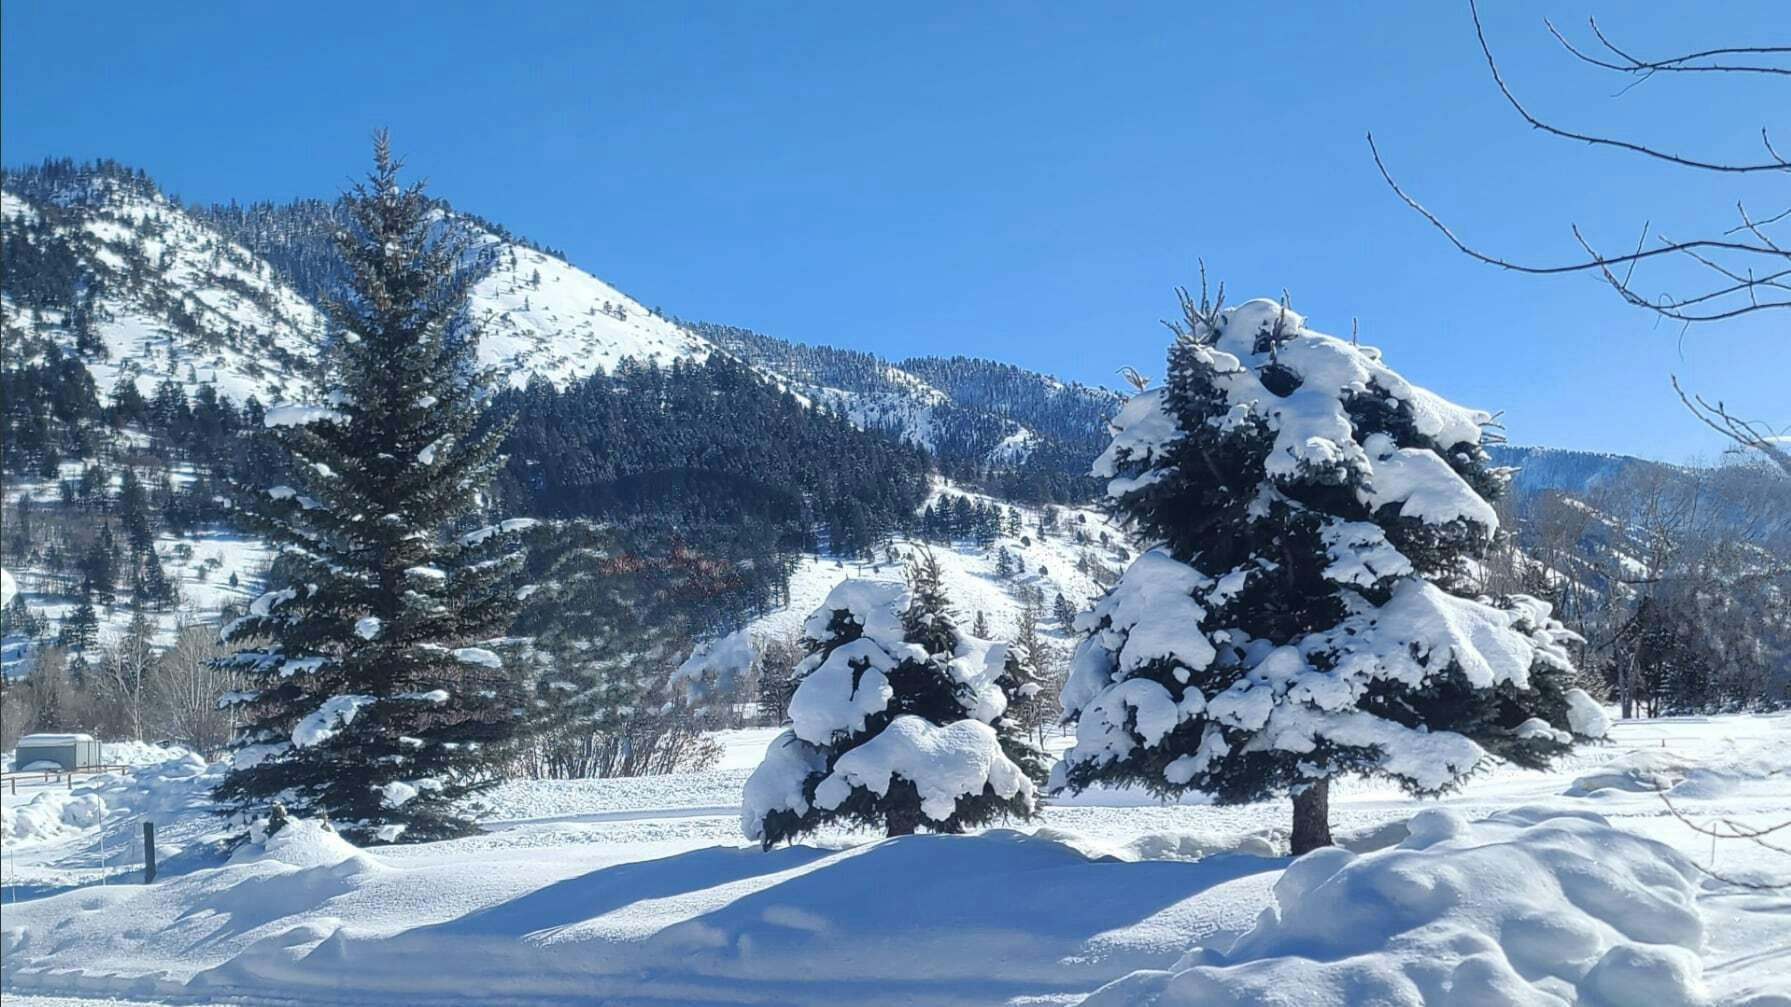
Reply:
x=200, y=564
x=538, y=315
x=178, y=300
x=182, y=300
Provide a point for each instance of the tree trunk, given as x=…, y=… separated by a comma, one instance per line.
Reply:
x=902, y=821
x=1312, y=818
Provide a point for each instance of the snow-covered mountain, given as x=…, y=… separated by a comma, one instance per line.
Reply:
x=969, y=413
x=228, y=295
x=539, y=316
x=165, y=292
x=1579, y=473
x=103, y=265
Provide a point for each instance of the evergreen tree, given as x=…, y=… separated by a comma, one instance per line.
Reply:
x=80, y=627
x=157, y=590
x=20, y=619
x=375, y=695
x=133, y=509
x=897, y=721
x=128, y=405
x=1064, y=613
x=101, y=567
x=1308, y=613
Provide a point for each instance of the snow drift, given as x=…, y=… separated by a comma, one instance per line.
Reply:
x=1528, y=906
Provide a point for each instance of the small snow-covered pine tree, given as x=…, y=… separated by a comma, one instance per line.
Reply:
x=374, y=693
x=1306, y=610
x=898, y=722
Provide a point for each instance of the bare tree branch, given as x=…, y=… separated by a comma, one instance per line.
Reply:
x=1754, y=266
x=1749, y=434
x=1776, y=164
x=1596, y=262
x=1643, y=69
x=1731, y=830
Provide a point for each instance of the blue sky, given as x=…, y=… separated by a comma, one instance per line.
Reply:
x=1019, y=181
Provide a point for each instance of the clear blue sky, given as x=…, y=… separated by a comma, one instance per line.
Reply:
x=1026, y=182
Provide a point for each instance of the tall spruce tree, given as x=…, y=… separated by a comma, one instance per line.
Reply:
x=898, y=721
x=1306, y=611
x=375, y=695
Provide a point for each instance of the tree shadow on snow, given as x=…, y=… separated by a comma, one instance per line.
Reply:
x=606, y=889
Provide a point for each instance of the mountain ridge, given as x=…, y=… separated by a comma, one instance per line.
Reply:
x=228, y=294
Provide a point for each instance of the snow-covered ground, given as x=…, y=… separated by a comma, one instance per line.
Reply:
x=641, y=891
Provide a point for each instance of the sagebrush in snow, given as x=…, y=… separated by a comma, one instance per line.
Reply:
x=1305, y=611
x=373, y=692
x=898, y=721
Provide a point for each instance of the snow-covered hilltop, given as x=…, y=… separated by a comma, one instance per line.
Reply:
x=157, y=294
x=228, y=296
x=540, y=316
x=167, y=292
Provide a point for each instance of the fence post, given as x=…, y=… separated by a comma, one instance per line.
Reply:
x=148, y=852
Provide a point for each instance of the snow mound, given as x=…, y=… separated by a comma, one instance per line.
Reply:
x=140, y=753
x=301, y=843
x=52, y=814
x=1528, y=906
x=1641, y=771
x=949, y=921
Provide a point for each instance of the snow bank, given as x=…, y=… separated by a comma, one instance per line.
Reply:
x=301, y=843
x=53, y=814
x=1643, y=771
x=140, y=753
x=1528, y=906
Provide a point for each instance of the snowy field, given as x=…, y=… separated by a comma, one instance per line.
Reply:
x=1576, y=885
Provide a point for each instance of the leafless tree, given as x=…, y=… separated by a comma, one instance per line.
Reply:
x=18, y=714
x=1746, y=262
x=126, y=674
x=188, y=686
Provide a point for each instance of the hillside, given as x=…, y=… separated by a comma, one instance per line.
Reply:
x=101, y=265
x=537, y=315
x=1022, y=434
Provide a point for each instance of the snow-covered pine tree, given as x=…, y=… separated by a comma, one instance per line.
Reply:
x=374, y=694
x=1305, y=612
x=898, y=721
